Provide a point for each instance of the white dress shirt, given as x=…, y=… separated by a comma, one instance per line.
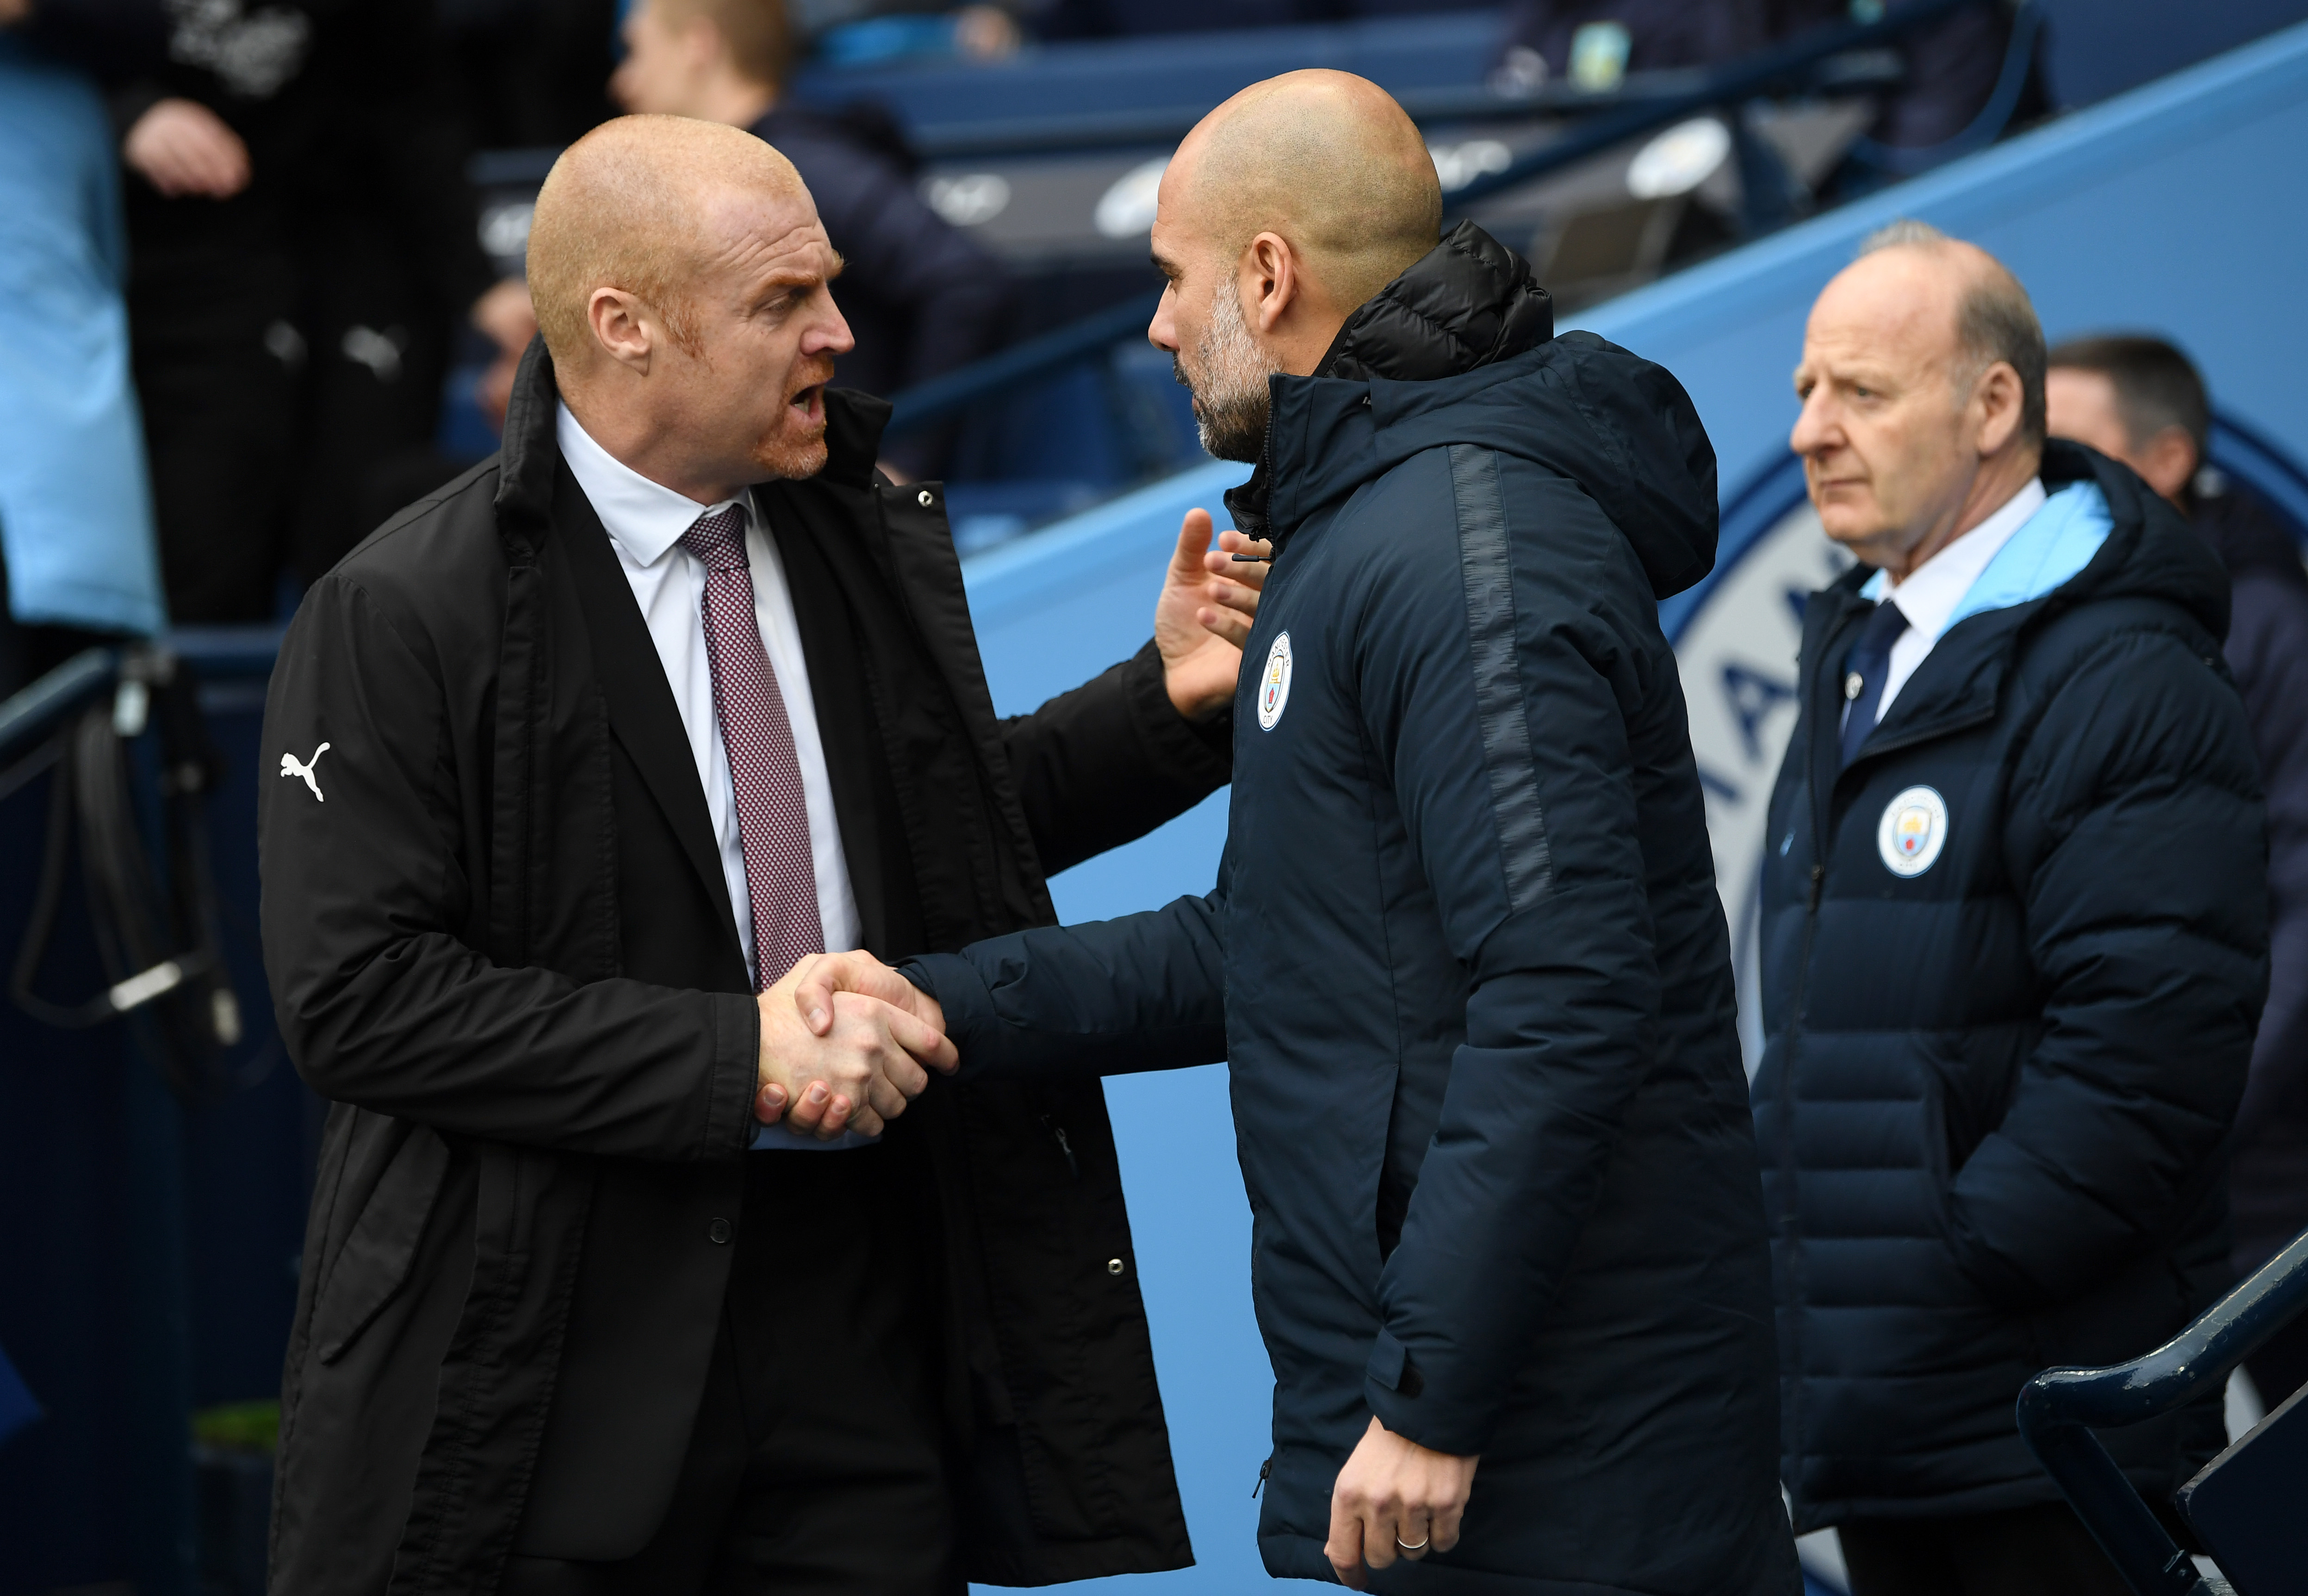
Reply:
x=645, y=521
x=1929, y=596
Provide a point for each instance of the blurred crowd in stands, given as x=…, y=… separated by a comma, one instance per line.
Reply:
x=263, y=215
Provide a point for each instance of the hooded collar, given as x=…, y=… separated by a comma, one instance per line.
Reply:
x=1618, y=426
x=2149, y=552
x=1468, y=302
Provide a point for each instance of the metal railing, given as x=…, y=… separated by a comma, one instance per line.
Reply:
x=1834, y=57
x=2059, y=1408
x=30, y=719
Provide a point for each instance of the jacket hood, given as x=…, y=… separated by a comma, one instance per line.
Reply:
x=1459, y=350
x=2151, y=552
x=1469, y=301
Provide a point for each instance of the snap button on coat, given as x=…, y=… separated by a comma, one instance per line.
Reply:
x=717, y=1232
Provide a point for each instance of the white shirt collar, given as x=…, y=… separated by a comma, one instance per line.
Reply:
x=643, y=518
x=1933, y=590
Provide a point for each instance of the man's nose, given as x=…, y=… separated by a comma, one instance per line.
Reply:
x=831, y=336
x=1813, y=427
x=1162, y=331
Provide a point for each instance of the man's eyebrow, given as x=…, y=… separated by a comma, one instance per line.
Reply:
x=796, y=277
x=1163, y=264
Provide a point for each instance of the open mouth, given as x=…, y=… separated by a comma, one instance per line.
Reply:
x=810, y=402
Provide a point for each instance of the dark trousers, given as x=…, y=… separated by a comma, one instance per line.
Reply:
x=2043, y=1550
x=819, y=1463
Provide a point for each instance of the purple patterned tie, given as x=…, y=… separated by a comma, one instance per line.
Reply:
x=772, y=820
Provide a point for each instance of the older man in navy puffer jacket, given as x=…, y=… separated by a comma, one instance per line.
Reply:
x=2014, y=941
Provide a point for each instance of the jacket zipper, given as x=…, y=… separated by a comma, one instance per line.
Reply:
x=1822, y=804
x=1265, y=1469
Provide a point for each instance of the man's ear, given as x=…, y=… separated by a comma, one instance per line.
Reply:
x=1270, y=282
x=617, y=320
x=1998, y=392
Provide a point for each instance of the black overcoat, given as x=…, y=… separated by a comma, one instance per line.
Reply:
x=499, y=939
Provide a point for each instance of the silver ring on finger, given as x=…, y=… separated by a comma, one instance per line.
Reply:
x=1402, y=1545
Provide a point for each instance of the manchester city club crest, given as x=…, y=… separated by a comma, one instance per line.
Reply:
x=1912, y=832
x=1274, y=685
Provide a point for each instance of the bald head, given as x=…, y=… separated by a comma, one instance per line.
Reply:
x=1327, y=161
x=1971, y=297
x=682, y=283
x=1285, y=212
x=647, y=204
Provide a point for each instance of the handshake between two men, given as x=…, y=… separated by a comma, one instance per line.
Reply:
x=846, y=1043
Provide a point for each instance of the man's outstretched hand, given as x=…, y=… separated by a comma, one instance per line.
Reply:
x=1203, y=615
x=859, y=1066
x=1395, y=1500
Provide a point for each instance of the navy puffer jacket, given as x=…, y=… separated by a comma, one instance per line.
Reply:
x=1467, y=964
x=1995, y=1093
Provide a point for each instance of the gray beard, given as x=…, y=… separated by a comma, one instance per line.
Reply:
x=1230, y=386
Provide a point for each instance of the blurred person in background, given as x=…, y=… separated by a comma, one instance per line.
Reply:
x=920, y=297
x=2140, y=400
x=302, y=245
x=75, y=513
x=2014, y=941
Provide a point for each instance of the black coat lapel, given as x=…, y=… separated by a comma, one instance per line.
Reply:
x=881, y=876
x=642, y=712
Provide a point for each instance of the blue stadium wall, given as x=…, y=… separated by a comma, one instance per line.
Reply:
x=2181, y=208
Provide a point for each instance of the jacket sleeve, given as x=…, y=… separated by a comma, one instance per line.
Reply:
x=2134, y=829
x=1498, y=695
x=1106, y=998
x=2267, y=649
x=1110, y=761
x=368, y=884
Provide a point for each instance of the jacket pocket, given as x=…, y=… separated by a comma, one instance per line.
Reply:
x=1968, y=1080
x=373, y=1264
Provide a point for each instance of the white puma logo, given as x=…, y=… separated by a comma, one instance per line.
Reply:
x=290, y=765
